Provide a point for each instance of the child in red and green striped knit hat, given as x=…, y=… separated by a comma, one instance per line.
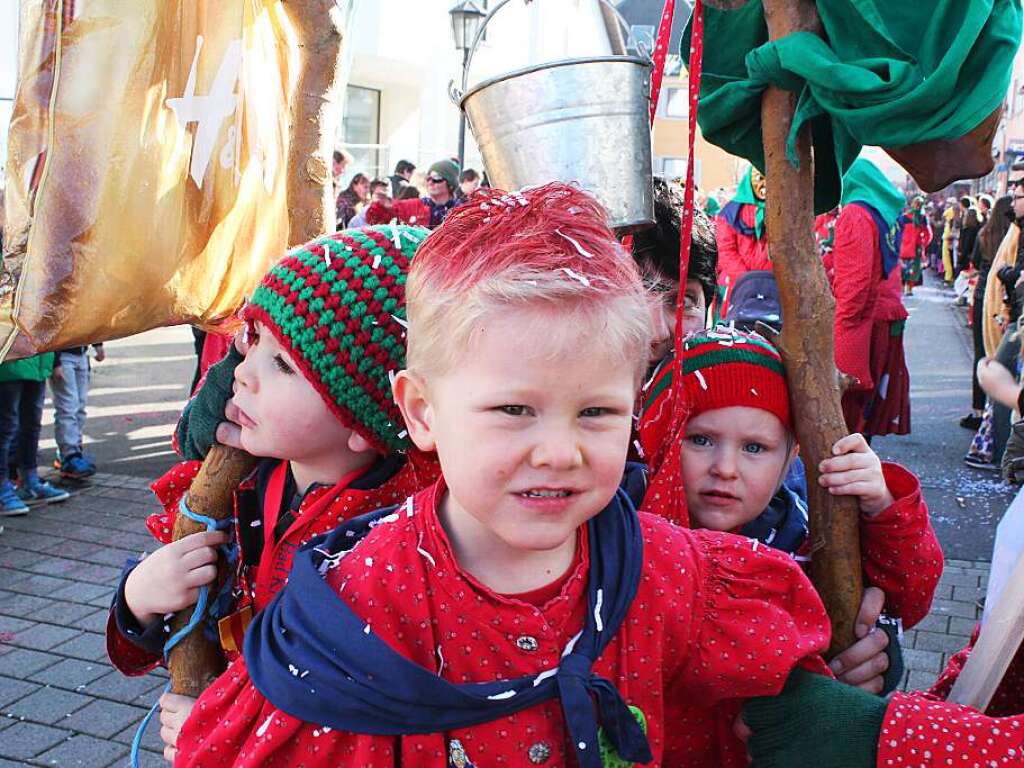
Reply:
x=311, y=396
x=726, y=453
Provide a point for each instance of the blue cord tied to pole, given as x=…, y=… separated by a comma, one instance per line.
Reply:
x=197, y=617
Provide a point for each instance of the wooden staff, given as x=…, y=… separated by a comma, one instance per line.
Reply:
x=807, y=345
x=196, y=661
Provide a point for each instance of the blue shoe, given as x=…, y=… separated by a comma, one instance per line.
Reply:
x=10, y=504
x=35, y=491
x=76, y=467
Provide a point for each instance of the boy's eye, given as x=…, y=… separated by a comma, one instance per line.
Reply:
x=702, y=440
x=595, y=411
x=514, y=410
x=282, y=365
x=754, y=448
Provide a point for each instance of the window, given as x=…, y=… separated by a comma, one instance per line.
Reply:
x=675, y=168
x=675, y=103
x=641, y=35
x=360, y=130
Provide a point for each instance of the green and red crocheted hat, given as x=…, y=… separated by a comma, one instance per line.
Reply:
x=337, y=304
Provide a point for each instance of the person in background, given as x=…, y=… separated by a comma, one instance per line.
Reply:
x=991, y=234
x=341, y=161
x=970, y=223
x=22, y=391
x=950, y=236
x=740, y=232
x=442, y=182
x=915, y=240
x=469, y=182
x=352, y=199
x=69, y=384
x=429, y=210
x=869, y=316
x=378, y=191
x=400, y=179
x=985, y=204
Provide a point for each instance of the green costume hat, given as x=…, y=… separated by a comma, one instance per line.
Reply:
x=337, y=304
x=865, y=183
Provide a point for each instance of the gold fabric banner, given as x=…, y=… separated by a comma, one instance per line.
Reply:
x=146, y=166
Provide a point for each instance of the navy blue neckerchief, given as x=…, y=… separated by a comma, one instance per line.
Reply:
x=731, y=213
x=311, y=656
x=783, y=525
x=889, y=236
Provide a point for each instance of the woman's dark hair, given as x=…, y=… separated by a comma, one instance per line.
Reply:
x=409, y=192
x=469, y=175
x=995, y=228
x=357, y=179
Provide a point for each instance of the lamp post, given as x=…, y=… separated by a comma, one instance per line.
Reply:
x=466, y=17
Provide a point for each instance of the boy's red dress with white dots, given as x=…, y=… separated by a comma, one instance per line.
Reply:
x=716, y=618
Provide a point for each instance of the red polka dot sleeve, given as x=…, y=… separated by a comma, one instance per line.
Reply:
x=899, y=550
x=921, y=732
x=759, y=618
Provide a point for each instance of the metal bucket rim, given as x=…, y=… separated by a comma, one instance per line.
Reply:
x=646, y=63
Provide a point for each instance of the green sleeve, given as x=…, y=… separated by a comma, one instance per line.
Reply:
x=197, y=427
x=817, y=721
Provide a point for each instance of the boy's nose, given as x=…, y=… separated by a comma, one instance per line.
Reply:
x=244, y=376
x=557, y=449
x=724, y=464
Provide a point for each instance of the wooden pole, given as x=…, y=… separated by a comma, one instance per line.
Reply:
x=997, y=645
x=196, y=661
x=808, y=312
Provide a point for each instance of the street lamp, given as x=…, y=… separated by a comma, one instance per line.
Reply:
x=466, y=16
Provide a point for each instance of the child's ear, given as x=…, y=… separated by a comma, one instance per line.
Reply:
x=359, y=444
x=410, y=394
x=793, y=454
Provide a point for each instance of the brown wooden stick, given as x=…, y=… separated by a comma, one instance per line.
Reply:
x=195, y=662
x=316, y=109
x=807, y=346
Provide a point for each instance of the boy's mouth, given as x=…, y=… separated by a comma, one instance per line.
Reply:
x=244, y=420
x=546, y=493
x=715, y=496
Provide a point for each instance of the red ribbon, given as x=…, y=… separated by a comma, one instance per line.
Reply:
x=660, y=52
x=686, y=232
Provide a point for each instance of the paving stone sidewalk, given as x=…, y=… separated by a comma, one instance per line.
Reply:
x=61, y=703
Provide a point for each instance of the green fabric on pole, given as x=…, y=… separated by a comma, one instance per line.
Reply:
x=884, y=75
x=745, y=194
x=865, y=183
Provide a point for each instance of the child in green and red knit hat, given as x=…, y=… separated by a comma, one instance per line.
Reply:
x=312, y=398
x=726, y=453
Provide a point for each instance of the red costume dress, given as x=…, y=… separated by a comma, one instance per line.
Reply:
x=715, y=619
x=869, y=324
x=739, y=249
x=917, y=234
x=320, y=510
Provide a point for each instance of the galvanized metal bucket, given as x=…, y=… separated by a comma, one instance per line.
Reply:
x=583, y=120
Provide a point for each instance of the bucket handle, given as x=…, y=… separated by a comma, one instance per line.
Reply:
x=456, y=94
